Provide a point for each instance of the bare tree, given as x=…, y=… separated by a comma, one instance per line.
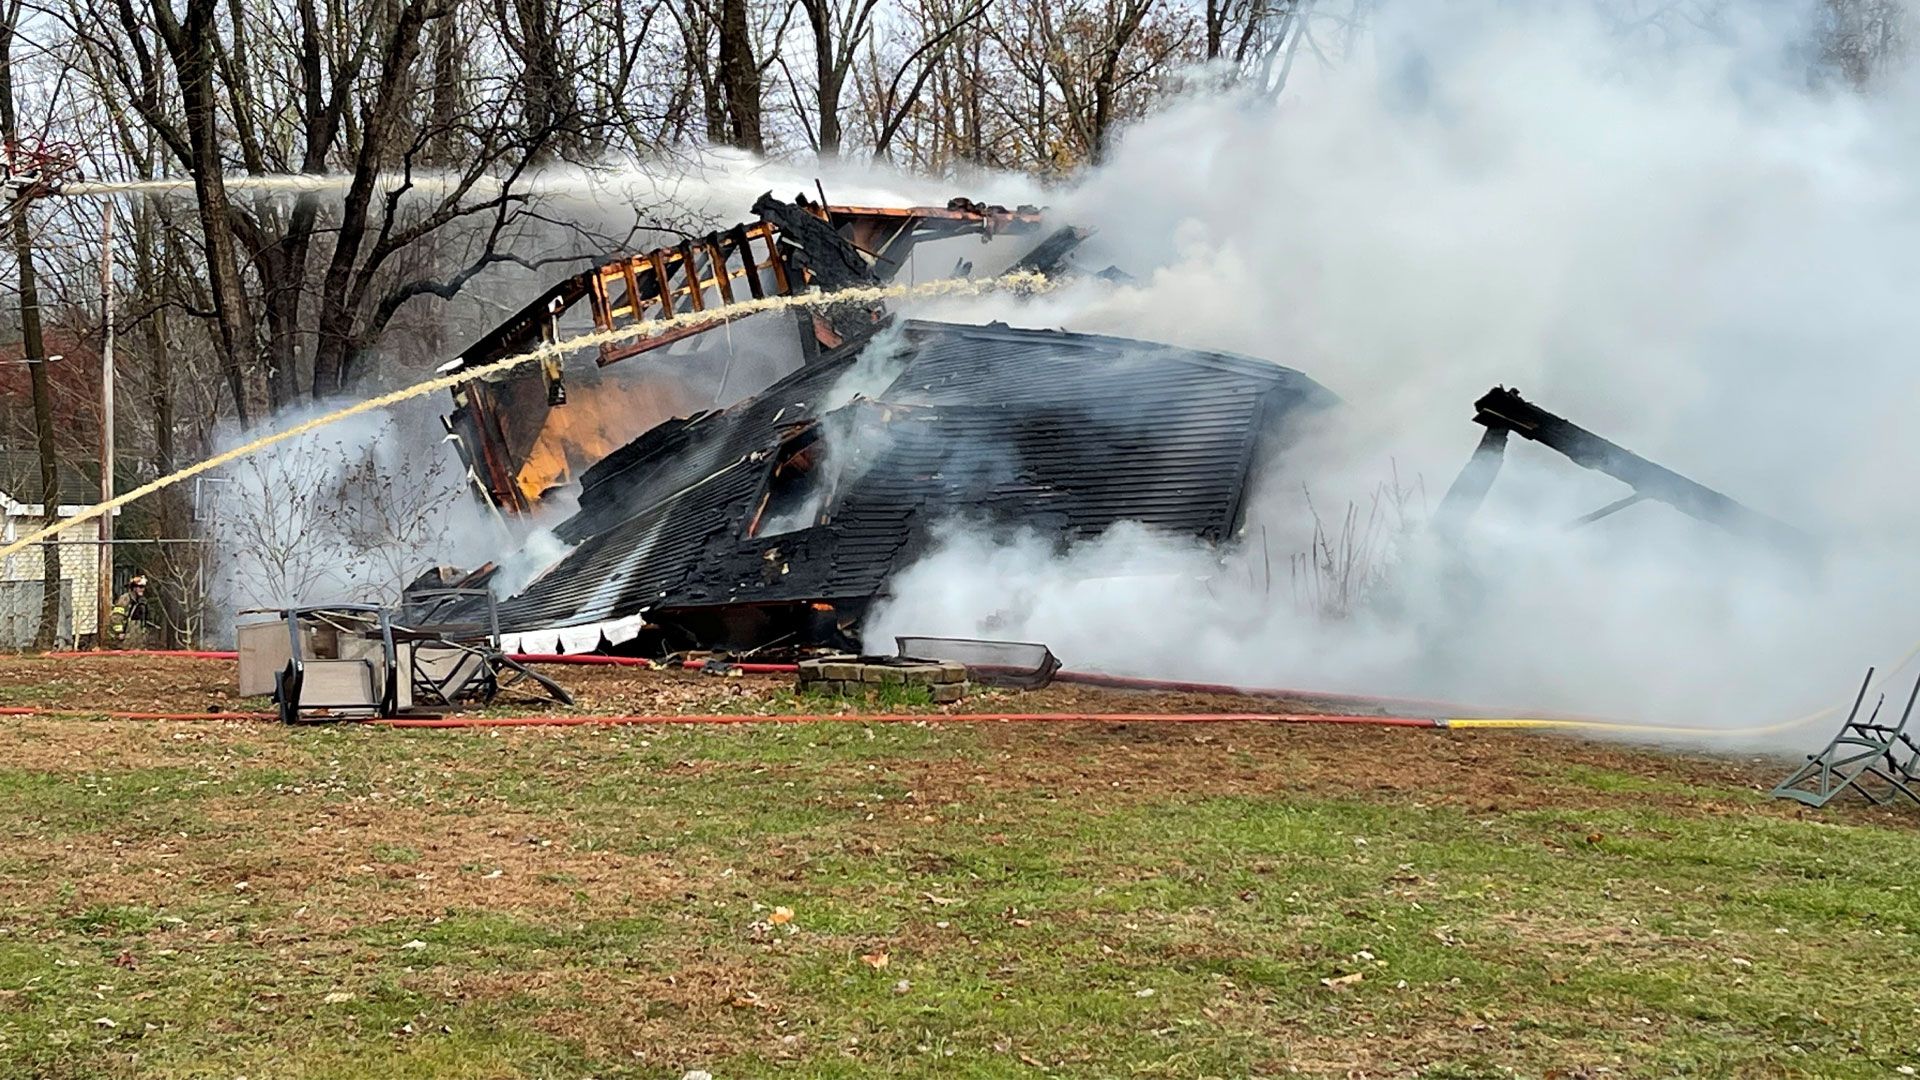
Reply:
x=839, y=30
x=191, y=43
x=739, y=77
x=1861, y=36
x=550, y=104
x=329, y=518
x=1232, y=27
x=1097, y=57
x=34, y=348
x=894, y=98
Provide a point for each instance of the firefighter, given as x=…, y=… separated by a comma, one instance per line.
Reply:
x=129, y=624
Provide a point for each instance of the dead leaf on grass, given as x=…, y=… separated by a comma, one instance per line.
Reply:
x=781, y=916
x=875, y=960
x=1343, y=982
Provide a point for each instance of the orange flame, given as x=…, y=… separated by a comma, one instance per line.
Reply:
x=597, y=419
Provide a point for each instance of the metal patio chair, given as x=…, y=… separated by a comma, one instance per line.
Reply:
x=456, y=654
x=1875, y=758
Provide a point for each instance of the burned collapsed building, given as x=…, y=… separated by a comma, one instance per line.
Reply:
x=733, y=497
x=762, y=484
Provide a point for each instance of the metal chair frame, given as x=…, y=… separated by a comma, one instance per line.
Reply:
x=291, y=680
x=496, y=671
x=1861, y=750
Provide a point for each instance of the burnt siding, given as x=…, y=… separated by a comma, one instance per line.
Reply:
x=1064, y=434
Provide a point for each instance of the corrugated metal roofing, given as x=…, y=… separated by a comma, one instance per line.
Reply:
x=1065, y=433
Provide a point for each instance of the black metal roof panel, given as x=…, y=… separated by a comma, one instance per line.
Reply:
x=1068, y=434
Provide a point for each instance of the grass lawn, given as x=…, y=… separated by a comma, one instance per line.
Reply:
x=965, y=900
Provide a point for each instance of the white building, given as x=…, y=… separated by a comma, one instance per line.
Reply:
x=22, y=573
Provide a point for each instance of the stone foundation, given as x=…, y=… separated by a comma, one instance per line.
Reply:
x=849, y=676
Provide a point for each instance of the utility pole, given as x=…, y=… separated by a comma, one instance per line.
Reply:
x=104, y=588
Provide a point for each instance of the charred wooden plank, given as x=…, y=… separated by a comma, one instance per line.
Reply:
x=1050, y=255
x=1502, y=409
x=816, y=247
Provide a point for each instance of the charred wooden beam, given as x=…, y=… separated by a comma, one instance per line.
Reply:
x=1503, y=410
x=526, y=327
x=1050, y=255
x=1470, y=488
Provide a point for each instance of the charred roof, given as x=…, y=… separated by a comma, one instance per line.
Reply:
x=806, y=498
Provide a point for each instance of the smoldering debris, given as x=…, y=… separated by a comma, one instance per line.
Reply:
x=523, y=433
x=886, y=477
x=778, y=522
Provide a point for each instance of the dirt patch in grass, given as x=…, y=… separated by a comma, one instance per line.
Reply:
x=351, y=865
x=1482, y=771
x=122, y=683
x=696, y=1011
x=64, y=744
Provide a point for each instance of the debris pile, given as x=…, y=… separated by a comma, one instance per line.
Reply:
x=782, y=520
x=527, y=433
x=736, y=498
x=778, y=517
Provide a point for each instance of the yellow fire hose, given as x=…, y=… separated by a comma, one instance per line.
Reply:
x=1621, y=727
x=1021, y=281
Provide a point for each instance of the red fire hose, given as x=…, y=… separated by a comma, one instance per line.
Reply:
x=743, y=668
x=910, y=718
x=737, y=718
x=1083, y=678
x=1125, y=682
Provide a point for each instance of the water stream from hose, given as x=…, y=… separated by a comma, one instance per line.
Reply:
x=1023, y=282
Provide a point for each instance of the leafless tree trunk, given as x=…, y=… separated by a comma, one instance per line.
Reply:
x=192, y=43
x=740, y=78
x=380, y=125
x=1233, y=26
x=446, y=146
x=1861, y=36
x=895, y=105
x=33, y=346
x=550, y=105
x=838, y=34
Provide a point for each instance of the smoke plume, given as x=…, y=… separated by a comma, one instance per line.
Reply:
x=1686, y=241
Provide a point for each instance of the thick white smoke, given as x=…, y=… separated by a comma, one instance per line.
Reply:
x=1685, y=244
x=353, y=513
